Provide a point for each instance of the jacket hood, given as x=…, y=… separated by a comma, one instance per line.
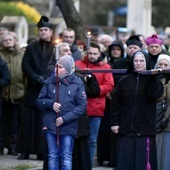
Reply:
x=116, y=43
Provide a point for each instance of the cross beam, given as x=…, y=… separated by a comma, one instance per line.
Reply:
x=121, y=71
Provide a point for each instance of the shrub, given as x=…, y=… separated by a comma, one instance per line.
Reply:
x=19, y=9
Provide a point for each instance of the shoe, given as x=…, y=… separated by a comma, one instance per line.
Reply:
x=12, y=152
x=40, y=157
x=100, y=163
x=23, y=156
x=1, y=151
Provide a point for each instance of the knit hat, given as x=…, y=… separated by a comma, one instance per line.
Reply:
x=134, y=40
x=43, y=22
x=162, y=57
x=153, y=40
x=67, y=62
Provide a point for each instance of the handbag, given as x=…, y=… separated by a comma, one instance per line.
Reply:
x=161, y=120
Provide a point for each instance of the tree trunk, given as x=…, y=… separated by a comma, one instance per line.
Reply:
x=71, y=17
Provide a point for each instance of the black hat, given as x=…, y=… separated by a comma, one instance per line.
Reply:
x=134, y=40
x=43, y=22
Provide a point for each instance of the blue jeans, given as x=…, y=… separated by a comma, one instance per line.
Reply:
x=94, y=128
x=63, y=152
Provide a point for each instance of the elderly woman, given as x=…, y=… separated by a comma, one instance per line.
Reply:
x=163, y=135
x=133, y=116
x=12, y=94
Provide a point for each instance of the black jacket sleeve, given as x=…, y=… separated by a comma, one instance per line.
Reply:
x=155, y=88
x=92, y=87
x=4, y=74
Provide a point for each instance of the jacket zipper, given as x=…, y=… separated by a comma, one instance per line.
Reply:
x=134, y=108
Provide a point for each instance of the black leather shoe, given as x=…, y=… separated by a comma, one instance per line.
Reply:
x=23, y=156
x=1, y=151
x=12, y=152
x=40, y=157
x=100, y=163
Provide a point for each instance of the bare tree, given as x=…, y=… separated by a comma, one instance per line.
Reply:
x=71, y=17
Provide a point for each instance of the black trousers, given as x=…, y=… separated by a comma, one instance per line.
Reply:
x=10, y=117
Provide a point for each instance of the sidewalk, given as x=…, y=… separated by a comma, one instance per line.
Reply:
x=8, y=162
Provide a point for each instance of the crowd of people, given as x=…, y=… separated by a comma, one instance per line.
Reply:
x=66, y=117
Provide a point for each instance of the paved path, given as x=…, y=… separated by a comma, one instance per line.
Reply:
x=8, y=161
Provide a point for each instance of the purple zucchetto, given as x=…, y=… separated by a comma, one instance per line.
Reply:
x=153, y=40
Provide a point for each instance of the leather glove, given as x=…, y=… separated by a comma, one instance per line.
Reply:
x=41, y=79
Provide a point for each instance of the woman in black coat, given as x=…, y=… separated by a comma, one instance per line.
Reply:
x=133, y=116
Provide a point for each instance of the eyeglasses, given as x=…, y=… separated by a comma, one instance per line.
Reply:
x=90, y=53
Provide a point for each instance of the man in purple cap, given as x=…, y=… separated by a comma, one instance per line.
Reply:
x=154, y=48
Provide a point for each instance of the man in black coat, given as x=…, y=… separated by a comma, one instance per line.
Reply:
x=34, y=64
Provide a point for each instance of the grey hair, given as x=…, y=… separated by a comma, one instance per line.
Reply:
x=2, y=37
x=101, y=37
x=62, y=44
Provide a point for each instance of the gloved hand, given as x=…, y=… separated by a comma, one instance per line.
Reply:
x=40, y=79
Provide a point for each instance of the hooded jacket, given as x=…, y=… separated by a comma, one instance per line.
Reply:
x=112, y=59
x=72, y=98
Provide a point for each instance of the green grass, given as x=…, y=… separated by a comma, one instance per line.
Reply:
x=20, y=167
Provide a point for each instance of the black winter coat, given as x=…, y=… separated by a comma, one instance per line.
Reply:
x=133, y=105
x=34, y=65
x=4, y=77
x=121, y=63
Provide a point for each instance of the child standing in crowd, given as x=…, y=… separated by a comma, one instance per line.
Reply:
x=163, y=135
x=70, y=107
